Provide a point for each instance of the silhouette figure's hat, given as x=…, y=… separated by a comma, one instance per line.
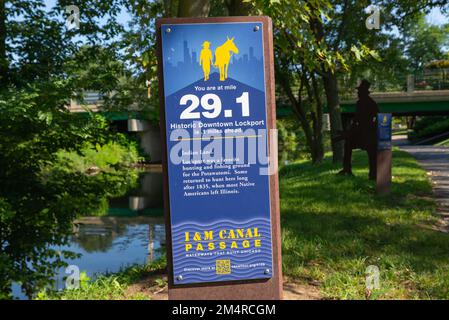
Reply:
x=364, y=85
x=205, y=43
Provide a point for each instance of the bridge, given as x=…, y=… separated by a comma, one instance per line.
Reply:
x=131, y=121
x=426, y=93
x=414, y=103
x=92, y=102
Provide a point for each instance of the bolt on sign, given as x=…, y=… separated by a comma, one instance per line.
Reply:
x=220, y=147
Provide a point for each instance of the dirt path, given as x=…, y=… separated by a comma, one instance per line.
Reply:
x=436, y=161
x=151, y=289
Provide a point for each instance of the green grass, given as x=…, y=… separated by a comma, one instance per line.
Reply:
x=444, y=143
x=110, y=286
x=400, y=132
x=334, y=227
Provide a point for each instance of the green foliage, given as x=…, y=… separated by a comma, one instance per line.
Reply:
x=55, y=165
x=334, y=227
x=306, y=33
x=138, y=43
x=103, y=158
x=439, y=64
x=95, y=68
x=429, y=126
x=35, y=44
x=425, y=42
x=110, y=286
x=101, y=69
x=290, y=141
x=444, y=143
x=44, y=186
x=315, y=43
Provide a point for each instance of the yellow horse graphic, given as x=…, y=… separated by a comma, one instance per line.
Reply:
x=223, y=55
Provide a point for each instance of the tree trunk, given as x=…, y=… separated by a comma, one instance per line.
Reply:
x=319, y=121
x=315, y=128
x=333, y=104
x=238, y=7
x=170, y=7
x=193, y=8
x=298, y=110
x=331, y=89
x=310, y=141
x=3, y=58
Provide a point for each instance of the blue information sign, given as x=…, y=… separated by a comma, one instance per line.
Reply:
x=217, y=157
x=384, y=131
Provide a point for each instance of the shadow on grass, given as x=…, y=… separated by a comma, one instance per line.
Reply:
x=336, y=226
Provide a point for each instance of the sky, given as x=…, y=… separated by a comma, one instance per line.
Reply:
x=435, y=17
x=124, y=17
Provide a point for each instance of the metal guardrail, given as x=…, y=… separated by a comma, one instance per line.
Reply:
x=93, y=101
x=432, y=139
x=428, y=85
x=427, y=80
x=92, y=98
x=437, y=79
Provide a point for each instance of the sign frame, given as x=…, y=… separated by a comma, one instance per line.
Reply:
x=265, y=289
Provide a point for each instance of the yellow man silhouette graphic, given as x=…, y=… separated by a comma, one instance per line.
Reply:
x=223, y=55
x=206, y=59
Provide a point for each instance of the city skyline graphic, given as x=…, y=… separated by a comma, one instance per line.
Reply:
x=182, y=54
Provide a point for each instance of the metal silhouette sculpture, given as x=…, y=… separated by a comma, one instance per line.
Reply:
x=362, y=133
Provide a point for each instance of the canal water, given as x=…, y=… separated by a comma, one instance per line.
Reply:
x=131, y=233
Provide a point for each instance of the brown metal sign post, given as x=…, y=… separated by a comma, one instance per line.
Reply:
x=216, y=86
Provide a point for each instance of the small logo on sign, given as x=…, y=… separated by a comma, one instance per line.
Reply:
x=223, y=266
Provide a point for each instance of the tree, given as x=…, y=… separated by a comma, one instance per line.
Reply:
x=328, y=37
x=238, y=7
x=40, y=193
x=193, y=8
x=3, y=58
x=42, y=145
x=304, y=47
x=424, y=42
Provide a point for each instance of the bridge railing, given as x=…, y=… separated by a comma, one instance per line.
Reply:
x=436, y=79
x=94, y=101
x=427, y=80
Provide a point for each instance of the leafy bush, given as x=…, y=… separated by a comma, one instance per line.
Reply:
x=290, y=139
x=109, y=286
x=55, y=166
x=439, y=64
x=97, y=157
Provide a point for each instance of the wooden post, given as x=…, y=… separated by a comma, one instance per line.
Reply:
x=383, y=180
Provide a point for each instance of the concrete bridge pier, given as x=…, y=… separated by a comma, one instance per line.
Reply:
x=150, y=138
